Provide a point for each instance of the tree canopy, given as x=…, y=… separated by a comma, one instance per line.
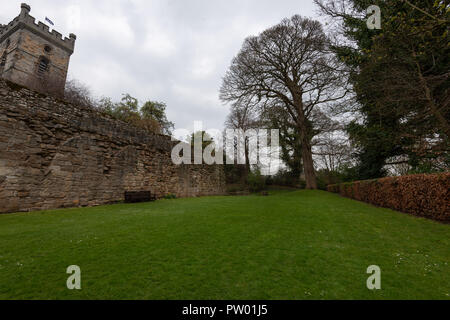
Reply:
x=288, y=66
x=400, y=77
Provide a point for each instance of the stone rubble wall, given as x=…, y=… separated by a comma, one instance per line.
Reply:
x=55, y=155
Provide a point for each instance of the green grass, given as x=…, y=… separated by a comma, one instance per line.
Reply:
x=290, y=245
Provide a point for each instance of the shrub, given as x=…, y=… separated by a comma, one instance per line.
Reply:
x=321, y=182
x=256, y=182
x=170, y=196
x=286, y=178
x=236, y=188
x=235, y=174
x=302, y=184
x=424, y=195
x=78, y=94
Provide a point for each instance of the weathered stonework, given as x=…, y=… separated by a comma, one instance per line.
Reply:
x=33, y=56
x=54, y=154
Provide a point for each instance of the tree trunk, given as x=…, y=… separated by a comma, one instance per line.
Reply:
x=308, y=165
x=247, y=157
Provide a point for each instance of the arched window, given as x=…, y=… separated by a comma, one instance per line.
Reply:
x=43, y=66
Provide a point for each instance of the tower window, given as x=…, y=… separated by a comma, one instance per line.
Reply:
x=43, y=66
x=48, y=49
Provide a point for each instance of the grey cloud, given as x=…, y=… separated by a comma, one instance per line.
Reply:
x=174, y=51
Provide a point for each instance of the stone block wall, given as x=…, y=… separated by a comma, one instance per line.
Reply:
x=54, y=154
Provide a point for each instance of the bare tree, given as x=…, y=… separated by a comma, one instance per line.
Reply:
x=333, y=151
x=291, y=65
x=243, y=117
x=77, y=93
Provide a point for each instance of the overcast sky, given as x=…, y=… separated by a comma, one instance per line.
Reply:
x=175, y=51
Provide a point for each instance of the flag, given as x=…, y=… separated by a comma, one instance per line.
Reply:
x=49, y=21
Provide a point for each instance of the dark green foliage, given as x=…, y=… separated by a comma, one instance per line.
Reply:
x=235, y=173
x=255, y=181
x=289, y=139
x=342, y=175
x=325, y=177
x=286, y=178
x=400, y=77
x=236, y=188
x=150, y=116
x=154, y=110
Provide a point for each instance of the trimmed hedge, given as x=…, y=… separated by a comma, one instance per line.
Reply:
x=424, y=195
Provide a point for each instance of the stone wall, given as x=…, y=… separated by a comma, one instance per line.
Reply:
x=54, y=154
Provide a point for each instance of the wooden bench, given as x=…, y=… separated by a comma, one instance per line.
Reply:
x=139, y=196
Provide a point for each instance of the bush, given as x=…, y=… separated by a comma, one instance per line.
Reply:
x=235, y=174
x=170, y=196
x=301, y=184
x=78, y=94
x=424, y=195
x=256, y=182
x=321, y=182
x=236, y=188
x=286, y=179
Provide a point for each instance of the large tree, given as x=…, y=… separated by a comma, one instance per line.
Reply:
x=400, y=75
x=289, y=139
x=288, y=65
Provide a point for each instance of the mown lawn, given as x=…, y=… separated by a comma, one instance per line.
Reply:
x=290, y=245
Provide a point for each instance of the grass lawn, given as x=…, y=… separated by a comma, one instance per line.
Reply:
x=290, y=245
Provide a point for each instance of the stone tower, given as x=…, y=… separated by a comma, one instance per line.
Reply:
x=32, y=56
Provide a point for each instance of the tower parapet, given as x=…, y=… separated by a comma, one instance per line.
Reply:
x=25, y=20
